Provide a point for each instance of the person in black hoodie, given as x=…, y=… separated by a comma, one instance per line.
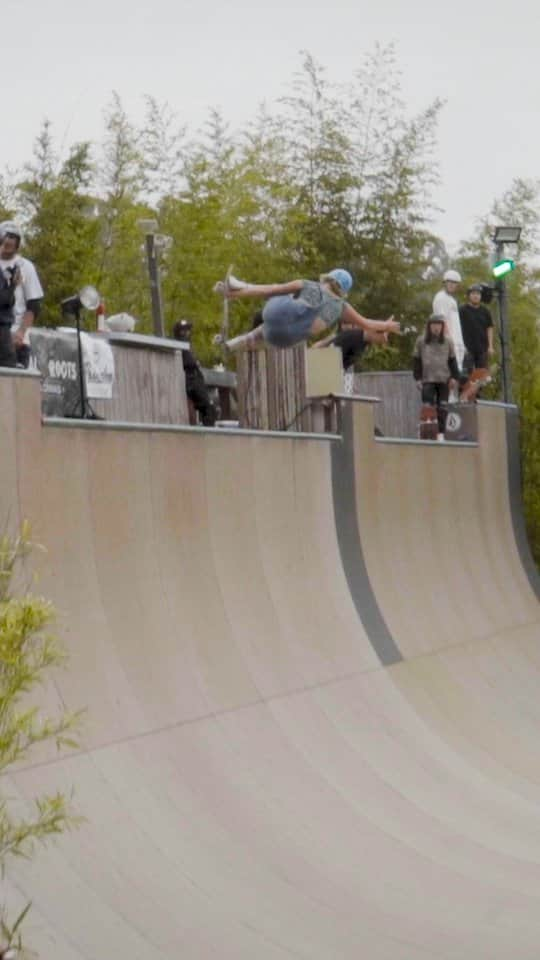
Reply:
x=477, y=329
x=8, y=283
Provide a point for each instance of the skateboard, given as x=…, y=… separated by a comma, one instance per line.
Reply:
x=221, y=338
x=225, y=321
x=428, y=427
x=477, y=379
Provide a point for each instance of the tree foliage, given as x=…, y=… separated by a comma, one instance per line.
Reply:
x=520, y=204
x=28, y=652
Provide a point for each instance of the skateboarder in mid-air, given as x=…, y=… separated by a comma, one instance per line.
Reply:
x=300, y=309
x=435, y=368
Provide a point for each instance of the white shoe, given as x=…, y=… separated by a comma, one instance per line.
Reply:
x=440, y=437
x=236, y=342
x=234, y=284
x=231, y=284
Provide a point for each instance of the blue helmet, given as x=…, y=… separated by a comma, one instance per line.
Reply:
x=342, y=278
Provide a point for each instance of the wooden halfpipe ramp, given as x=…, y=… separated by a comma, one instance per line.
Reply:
x=312, y=674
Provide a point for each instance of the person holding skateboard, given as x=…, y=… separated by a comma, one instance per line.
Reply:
x=477, y=329
x=300, y=309
x=435, y=368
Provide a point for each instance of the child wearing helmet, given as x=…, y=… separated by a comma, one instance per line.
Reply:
x=300, y=309
x=435, y=366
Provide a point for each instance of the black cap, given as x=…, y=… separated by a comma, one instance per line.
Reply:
x=475, y=286
x=181, y=328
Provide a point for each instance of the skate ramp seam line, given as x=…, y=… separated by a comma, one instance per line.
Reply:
x=200, y=718
x=471, y=643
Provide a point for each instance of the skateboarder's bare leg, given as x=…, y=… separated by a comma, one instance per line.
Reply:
x=246, y=341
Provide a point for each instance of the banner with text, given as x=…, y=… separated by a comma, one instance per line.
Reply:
x=54, y=354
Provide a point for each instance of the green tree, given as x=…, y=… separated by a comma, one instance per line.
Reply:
x=28, y=652
x=121, y=275
x=61, y=225
x=320, y=168
x=162, y=151
x=519, y=205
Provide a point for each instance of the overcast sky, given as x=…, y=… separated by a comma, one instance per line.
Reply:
x=63, y=58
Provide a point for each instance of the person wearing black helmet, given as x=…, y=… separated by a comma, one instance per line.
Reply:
x=477, y=329
x=196, y=388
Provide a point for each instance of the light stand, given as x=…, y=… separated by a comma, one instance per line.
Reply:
x=89, y=298
x=501, y=236
x=154, y=242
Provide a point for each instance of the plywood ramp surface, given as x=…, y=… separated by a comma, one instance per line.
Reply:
x=256, y=783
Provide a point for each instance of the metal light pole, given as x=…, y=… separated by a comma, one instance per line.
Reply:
x=150, y=227
x=501, y=236
x=504, y=330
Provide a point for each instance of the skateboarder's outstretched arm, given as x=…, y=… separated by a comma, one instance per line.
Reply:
x=351, y=317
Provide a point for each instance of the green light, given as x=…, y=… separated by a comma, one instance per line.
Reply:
x=502, y=267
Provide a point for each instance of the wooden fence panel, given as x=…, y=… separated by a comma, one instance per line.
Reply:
x=149, y=387
x=398, y=413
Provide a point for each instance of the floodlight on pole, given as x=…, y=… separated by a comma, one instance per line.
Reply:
x=150, y=229
x=507, y=234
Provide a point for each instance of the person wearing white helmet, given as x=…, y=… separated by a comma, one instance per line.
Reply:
x=28, y=289
x=445, y=305
x=300, y=309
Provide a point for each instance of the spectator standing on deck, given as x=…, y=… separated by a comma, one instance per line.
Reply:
x=7, y=302
x=435, y=367
x=445, y=305
x=28, y=289
x=477, y=330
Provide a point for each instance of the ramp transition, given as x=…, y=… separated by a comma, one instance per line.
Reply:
x=312, y=670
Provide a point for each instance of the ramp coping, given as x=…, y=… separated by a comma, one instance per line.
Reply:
x=73, y=422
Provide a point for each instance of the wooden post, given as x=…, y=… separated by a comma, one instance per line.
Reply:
x=272, y=392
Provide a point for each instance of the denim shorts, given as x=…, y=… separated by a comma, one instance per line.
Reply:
x=287, y=321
